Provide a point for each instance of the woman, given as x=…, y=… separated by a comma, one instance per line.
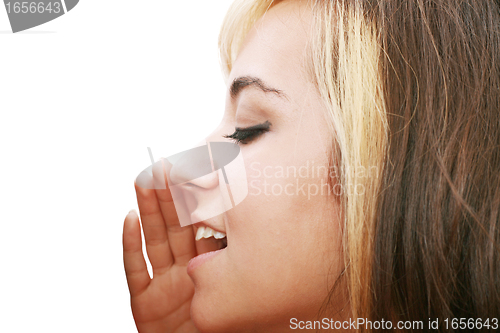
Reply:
x=393, y=108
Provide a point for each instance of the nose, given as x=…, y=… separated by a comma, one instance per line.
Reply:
x=198, y=167
x=194, y=167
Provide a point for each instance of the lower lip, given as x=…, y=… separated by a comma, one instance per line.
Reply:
x=202, y=258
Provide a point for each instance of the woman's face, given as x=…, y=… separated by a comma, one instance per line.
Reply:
x=283, y=252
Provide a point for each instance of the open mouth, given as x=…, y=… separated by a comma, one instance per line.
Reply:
x=207, y=232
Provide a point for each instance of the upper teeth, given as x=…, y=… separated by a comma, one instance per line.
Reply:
x=207, y=232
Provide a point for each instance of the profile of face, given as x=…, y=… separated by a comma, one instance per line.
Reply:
x=283, y=251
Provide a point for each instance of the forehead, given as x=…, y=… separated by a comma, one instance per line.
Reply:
x=276, y=47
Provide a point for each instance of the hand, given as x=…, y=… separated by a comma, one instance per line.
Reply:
x=161, y=304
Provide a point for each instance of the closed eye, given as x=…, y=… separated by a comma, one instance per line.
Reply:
x=247, y=134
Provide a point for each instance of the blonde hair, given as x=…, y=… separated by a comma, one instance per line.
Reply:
x=401, y=79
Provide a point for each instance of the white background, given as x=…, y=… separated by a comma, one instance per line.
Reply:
x=81, y=99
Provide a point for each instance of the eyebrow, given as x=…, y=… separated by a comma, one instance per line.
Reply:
x=242, y=82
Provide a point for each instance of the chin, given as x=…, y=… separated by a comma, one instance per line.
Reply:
x=218, y=316
x=210, y=317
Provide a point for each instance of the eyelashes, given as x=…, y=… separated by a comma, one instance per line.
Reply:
x=247, y=134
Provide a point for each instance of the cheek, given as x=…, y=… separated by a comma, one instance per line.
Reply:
x=283, y=237
x=289, y=204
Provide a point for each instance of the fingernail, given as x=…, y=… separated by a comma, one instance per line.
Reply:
x=132, y=211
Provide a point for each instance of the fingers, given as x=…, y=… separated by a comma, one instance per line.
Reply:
x=135, y=265
x=181, y=239
x=155, y=231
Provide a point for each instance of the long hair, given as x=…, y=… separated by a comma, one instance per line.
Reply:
x=413, y=92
